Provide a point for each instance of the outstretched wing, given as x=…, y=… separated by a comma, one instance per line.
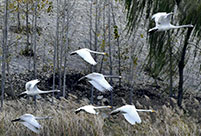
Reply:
x=165, y=19
x=99, y=82
x=31, y=123
x=97, y=86
x=162, y=18
x=102, y=82
x=31, y=85
x=131, y=114
x=87, y=108
x=31, y=127
x=86, y=56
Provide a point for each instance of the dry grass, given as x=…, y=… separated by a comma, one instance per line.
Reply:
x=65, y=122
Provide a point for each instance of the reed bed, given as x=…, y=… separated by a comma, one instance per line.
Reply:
x=166, y=121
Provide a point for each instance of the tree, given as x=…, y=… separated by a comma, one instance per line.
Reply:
x=4, y=44
x=109, y=44
x=158, y=53
x=90, y=44
x=35, y=37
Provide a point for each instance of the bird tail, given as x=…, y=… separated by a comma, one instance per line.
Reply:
x=15, y=120
x=21, y=95
x=72, y=53
x=152, y=30
x=78, y=110
x=114, y=112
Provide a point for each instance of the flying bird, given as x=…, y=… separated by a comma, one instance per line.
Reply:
x=99, y=82
x=90, y=109
x=162, y=22
x=130, y=113
x=32, y=89
x=86, y=55
x=30, y=121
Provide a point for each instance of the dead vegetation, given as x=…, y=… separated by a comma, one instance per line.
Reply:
x=166, y=121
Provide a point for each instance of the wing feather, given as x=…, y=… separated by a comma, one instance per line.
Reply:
x=103, y=82
x=99, y=82
x=31, y=127
x=86, y=55
x=87, y=108
x=97, y=86
x=129, y=112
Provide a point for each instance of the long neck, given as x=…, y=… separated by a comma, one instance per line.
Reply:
x=112, y=76
x=51, y=91
x=40, y=118
x=145, y=110
x=81, y=78
x=182, y=26
x=102, y=107
x=102, y=53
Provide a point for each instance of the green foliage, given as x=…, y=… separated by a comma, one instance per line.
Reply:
x=158, y=58
x=136, y=8
x=116, y=33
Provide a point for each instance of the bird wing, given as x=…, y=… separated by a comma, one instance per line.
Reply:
x=99, y=82
x=31, y=127
x=87, y=108
x=86, y=55
x=164, y=19
x=32, y=84
x=131, y=115
x=97, y=86
x=90, y=109
x=102, y=82
x=30, y=122
x=159, y=18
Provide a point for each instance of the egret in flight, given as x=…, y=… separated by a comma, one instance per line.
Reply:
x=162, y=22
x=90, y=109
x=32, y=89
x=130, y=113
x=30, y=121
x=86, y=55
x=99, y=82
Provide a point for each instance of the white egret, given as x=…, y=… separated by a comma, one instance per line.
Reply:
x=32, y=89
x=162, y=22
x=99, y=82
x=30, y=122
x=130, y=113
x=86, y=55
x=91, y=109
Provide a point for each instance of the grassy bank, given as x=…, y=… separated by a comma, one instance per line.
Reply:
x=166, y=121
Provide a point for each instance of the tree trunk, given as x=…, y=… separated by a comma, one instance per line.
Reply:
x=18, y=16
x=4, y=43
x=170, y=53
x=118, y=43
x=62, y=45
x=181, y=68
x=55, y=49
x=90, y=36
x=104, y=36
x=110, y=51
x=65, y=53
x=27, y=24
x=35, y=37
